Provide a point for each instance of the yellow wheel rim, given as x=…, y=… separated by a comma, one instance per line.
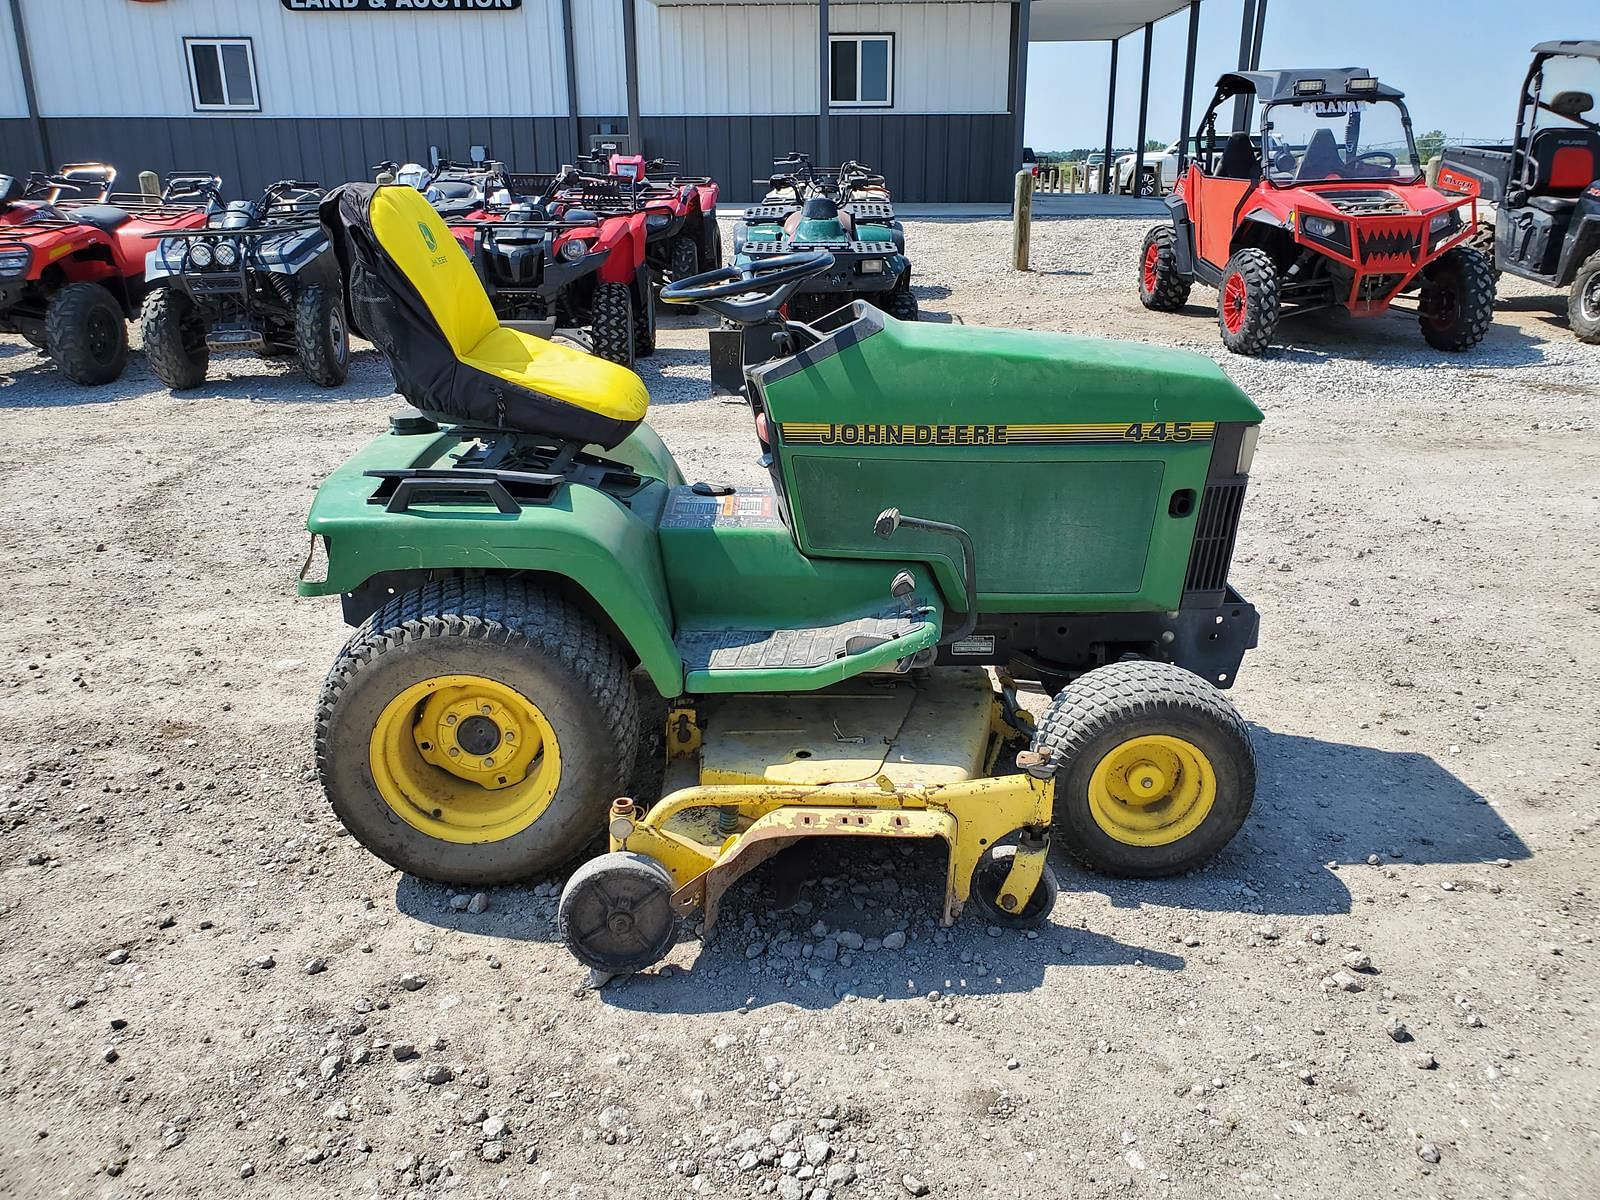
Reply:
x=465, y=759
x=1152, y=790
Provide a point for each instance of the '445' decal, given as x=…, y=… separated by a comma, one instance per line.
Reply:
x=1165, y=431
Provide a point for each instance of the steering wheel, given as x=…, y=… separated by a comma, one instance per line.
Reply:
x=1385, y=154
x=768, y=284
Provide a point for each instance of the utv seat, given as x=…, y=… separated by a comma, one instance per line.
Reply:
x=415, y=294
x=1239, y=159
x=1322, y=159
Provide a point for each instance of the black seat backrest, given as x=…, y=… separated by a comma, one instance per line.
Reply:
x=104, y=217
x=1239, y=159
x=1565, y=161
x=1322, y=159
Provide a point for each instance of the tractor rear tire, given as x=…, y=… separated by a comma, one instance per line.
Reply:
x=1161, y=287
x=644, y=326
x=1154, y=769
x=174, y=335
x=542, y=666
x=87, y=333
x=1248, y=306
x=685, y=263
x=902, y=303
x=612, y=323
x=1583, y=302
x=1456, y=303
x=322, y=342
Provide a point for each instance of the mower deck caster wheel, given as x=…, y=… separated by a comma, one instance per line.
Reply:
x=989, y=876
x=616, y=913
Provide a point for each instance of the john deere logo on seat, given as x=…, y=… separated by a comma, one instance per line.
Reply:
x=427, y=236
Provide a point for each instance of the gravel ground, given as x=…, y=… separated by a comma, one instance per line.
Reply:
x=1385, y=987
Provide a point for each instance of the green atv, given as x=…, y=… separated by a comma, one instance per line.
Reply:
x=846, y=212
x=525, y=564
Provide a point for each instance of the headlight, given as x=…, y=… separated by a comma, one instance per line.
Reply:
x=15, y=262
x=572, y=250
x=227, y=254
x=1247, y=448
x=200, y=255
x=1445, y=220
x=872, y=266
x=1320, y=227
x=657, y=221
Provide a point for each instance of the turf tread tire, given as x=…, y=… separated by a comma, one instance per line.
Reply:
x=532, y=624
x=167, y=321
x=1105, y=707
x=66, y=333
x=320, y=357
x=1474, y=305
x=611, y=323
x=1171, y=292
x=1263, y=306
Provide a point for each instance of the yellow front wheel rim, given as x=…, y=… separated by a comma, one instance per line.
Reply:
x=1152, y=790
x=465, y=759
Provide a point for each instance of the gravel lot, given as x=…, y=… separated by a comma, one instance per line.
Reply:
x=208, y=991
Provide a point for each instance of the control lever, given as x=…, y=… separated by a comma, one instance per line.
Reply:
x=890, y=520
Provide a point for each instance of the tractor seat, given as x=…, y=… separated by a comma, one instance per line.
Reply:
x=417, y=296
x=104, y=217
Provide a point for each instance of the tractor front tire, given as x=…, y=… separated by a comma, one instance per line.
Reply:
x=612, y=323
x=1154, y=769
x=685, y=263
x=452, y=683
x=322, y=342
x=1456, y=303
x=644, y=326
x=1248, y=306
x=1583, y=302
x=174, y=335
x=1161, y=287
x=87, y=334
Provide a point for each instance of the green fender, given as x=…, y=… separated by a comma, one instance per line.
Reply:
x=605, y=548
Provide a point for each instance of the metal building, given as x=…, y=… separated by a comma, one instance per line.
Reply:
x=930, y=91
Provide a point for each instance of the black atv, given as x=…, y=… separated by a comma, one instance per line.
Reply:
x=258, y=276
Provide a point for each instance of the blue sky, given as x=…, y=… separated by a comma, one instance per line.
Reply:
x=1458, y=61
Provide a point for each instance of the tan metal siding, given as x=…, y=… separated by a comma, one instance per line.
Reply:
x=746, y=59
x=948, y=58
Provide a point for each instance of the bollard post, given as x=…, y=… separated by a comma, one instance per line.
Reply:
x=1022, y=220
x=150, y=185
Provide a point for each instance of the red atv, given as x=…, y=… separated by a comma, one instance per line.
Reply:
x=680, y=211
x=543, y=258
x=1328, y=209
x=72, y=271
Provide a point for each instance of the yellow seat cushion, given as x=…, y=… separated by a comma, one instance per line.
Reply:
x=596, y=385
x=422, y=246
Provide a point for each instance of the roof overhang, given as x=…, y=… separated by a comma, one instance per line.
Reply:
x=1048, y=20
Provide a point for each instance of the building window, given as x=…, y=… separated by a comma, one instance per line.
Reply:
x=862, y=70
x=222, y=74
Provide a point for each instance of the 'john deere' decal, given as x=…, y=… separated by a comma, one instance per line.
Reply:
x=822, y=433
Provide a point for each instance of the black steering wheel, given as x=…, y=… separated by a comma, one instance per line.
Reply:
x=766, y=285
x=1392, y=160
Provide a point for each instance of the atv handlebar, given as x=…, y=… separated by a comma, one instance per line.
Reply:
x=768, y=282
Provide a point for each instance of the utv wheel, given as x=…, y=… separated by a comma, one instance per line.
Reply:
x=86, y=333
x=1247, y=307
x=685, y=262
x=902, y=304
x=612, y=323
x=1583, y=302
x=990, y=876
x=322, y=342
x=174, y=335
x=1154, y=768
x=475, y=731
x=1456, y=303
x=644, y=327
x=1161, y=287
x=616, y=913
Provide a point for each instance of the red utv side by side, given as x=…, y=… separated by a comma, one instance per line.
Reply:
x=72, y=272
x=1329, y=209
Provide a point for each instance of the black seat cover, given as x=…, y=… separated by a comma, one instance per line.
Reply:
x=105, y=217
x=820, y=208
x=1239, y=159
x=1322, y=159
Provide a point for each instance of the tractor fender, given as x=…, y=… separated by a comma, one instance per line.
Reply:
x=1183, y=229
x=600, y=552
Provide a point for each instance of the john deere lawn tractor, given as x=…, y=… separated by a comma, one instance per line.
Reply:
x=844, y=211
x=520, y=553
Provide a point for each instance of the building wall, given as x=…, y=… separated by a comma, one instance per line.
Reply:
x=948, y=58
x=13, y=100
x=597, y=45
x=745, y=59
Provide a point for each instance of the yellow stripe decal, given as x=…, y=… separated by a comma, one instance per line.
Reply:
x=813, y=433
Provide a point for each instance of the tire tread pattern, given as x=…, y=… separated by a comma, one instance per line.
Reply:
x=1262, y=304
x=161, y=326
x=611, y=323
x=1475, y=298
x=1172, y=289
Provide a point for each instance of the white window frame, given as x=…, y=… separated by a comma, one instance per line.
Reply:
x=858, y=38
x=189, y=44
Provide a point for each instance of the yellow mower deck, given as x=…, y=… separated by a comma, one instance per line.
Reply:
x=749, y=776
